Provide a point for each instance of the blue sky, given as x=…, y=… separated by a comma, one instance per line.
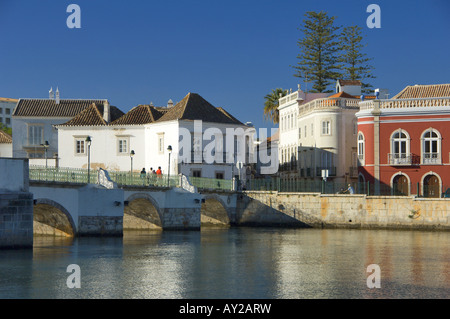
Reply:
x=230, y=52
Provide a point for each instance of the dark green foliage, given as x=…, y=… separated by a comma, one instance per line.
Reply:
x=354, y=61
x=319, y=46
x=271, y=104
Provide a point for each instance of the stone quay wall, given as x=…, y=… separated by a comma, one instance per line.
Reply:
x=16, y=220
x=343, y=211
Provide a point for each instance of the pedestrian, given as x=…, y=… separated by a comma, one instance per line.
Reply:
x=143, y=175
x=350, y=189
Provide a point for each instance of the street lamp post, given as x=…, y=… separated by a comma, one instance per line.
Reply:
x=46, y=146
x=88, y=142
x=132, y=153
x=169, y=149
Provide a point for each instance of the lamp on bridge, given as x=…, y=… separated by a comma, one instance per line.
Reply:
x=132, y=153
x=88, y=142
x=46, y=146
x=169, y=149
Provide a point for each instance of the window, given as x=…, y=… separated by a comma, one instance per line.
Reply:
x=326, y=128
x=35, y=135
x=123, y=146
x=219, y=175
x=80, y=148
x=8, y=120
x=161, y=142
x=7, y=111
x=305, y=131
x=312, y=129
x=196, y=173
x=361, y=148
x=431, y=147
x=400, y=148
x=299, y=132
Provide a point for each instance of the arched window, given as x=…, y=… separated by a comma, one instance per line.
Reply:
x=400, y=148
x=361, y=144
x=431, y=147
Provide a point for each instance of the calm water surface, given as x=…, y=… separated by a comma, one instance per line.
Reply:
x=233, y=263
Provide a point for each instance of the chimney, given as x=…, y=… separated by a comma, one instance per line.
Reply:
x=170, y=103
x=57, y=95
x=51, y=95
x=106, y=112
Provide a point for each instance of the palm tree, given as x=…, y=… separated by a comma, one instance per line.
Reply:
x=271, y=104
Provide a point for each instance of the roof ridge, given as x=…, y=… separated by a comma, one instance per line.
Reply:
x=98, y=113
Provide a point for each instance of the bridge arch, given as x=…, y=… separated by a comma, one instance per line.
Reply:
x=142, y=212
x=214, y=211
x=47, y=212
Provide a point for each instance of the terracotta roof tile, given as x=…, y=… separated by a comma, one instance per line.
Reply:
x=49, y=108
x=194, y=107
x=93, y=116
x=141, y=114
x=343, y=95
x=424, y=91
x=5, y=138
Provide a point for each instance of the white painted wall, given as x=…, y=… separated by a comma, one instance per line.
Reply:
x=5, y=149
x=104, y=147
x=20, y=134
x=143, y=139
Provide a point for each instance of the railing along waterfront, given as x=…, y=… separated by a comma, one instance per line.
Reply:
x=405, y=103
x=277, y=184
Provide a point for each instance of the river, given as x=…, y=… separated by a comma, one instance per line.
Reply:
x=239, y=263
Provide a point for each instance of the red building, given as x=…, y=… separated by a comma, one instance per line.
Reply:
x=404, y=142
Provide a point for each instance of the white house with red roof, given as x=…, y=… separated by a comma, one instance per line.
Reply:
x=33, y=120
x=202, y=138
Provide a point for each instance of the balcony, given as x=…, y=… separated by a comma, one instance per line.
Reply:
x=431, y=158
x=405, y=159
x=326, y=103
x=404, y=103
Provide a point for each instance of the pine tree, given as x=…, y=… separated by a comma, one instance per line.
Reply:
x=354, y=61
x=319, y=46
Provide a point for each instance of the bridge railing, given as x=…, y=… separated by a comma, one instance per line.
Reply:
x=61, y=174
x=123, y=178
x=211, y=183
x=137, y=179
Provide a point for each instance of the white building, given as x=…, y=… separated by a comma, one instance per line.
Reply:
x=318, y=132
x=7, y=106
x=147, y=131
x=33, y=123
